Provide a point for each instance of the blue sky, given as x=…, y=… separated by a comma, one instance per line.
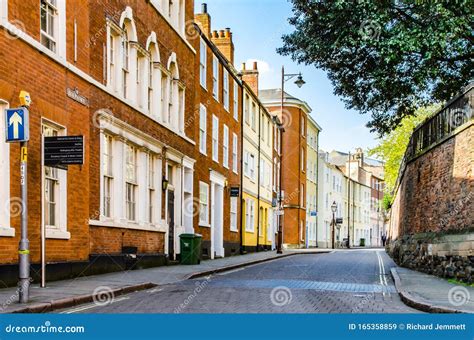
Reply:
x=257, y=27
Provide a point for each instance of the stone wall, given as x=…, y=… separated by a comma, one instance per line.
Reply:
x=446, y=255
x=432, y=216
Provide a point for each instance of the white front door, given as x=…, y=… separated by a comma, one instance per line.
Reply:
x=217, y=215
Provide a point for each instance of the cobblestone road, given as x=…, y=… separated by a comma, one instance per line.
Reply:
x=353, y=281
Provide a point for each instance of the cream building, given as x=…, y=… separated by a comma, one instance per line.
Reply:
x=312, y=135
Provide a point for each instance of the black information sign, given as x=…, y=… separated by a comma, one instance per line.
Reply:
x=234, y=192
x=61, y=151
x=339, y=220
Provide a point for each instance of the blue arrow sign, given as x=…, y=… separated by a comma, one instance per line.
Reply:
x=17, y=125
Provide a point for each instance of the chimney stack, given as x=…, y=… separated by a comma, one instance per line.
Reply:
x=223, y=41
x=251, y=76
x=203, y=20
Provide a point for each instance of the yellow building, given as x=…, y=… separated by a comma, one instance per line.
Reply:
x=257, y=179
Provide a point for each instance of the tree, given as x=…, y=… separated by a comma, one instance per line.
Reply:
x=386, y=58
x=392, y=146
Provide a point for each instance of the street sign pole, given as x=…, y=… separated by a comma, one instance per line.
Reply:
x=24, y=247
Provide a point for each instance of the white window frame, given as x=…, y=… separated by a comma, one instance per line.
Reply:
x=204, y=187
x=225, y=147
x=203, y=64
x=215, y=138
x=233, y=214
x=59, y=27
x=203, y=129
x=107, y=176
x=253, y=117
x=235, y=153
x=226, y=89
x=252, y=167
x=59, y=230
x=132, y=183
x=250, y=216
x=215, y=78
x=236, y=101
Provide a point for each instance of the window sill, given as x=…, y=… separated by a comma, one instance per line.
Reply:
x=57, y=234
x=204, y=225
x=7, y=232
x=234, y=231
x=109, y=223
x=250, y=231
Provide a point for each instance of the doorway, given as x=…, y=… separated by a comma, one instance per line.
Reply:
x=217, y=216
x=171, y=225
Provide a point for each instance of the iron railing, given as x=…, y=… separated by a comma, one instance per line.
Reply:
x=441, y=125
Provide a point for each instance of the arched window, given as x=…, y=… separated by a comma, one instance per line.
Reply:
x=173, y=99
x=154, y=77
x=176, y=90
x=128, y=55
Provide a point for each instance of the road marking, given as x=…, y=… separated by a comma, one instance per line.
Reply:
x=83, y=308
x=382, y=274
x=232, y=271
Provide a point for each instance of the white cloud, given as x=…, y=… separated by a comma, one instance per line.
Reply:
x=263, y=66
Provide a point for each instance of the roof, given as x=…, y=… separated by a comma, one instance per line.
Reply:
x=270, y=96
x=340, y=158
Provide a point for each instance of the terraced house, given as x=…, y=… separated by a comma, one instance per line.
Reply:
x=258, y=128
x=218, y=167
x=176, y=140
x=127, y=85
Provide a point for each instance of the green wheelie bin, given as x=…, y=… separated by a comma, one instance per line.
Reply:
x=190, y=248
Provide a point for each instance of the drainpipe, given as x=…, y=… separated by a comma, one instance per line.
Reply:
x=258, y=175
x=241, y=168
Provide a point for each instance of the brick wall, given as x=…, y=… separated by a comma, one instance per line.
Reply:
x=204, y=164
x=111, y=240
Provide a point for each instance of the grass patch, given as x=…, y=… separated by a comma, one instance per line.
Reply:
x=456, y=282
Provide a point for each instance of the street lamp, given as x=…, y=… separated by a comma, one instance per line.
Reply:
x=333, y=209
x=299, y=82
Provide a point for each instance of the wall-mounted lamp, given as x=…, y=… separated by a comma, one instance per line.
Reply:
x=164, y=184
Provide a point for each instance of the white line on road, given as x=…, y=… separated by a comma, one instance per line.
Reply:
x=382, y=275
x=232, y=271
x=83, y=308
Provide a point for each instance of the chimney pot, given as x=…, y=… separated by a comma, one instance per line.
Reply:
x=221, y=33
x=255, y=67
x=243, y=66
x=227, y=32
x=204, y=8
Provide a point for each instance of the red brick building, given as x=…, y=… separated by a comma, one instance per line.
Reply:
x=126, y=84
x=218, y=155
x=293, y=161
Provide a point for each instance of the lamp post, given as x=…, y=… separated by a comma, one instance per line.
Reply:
x=299, y=82
x=333, y=209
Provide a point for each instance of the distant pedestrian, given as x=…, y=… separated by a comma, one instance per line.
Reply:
x=384, y=240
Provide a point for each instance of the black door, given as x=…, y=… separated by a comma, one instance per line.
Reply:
x=171, y=224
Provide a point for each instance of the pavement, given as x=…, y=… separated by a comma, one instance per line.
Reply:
x=350, y=281
x=315, y=281
x=67, y=293
x=432, y=294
